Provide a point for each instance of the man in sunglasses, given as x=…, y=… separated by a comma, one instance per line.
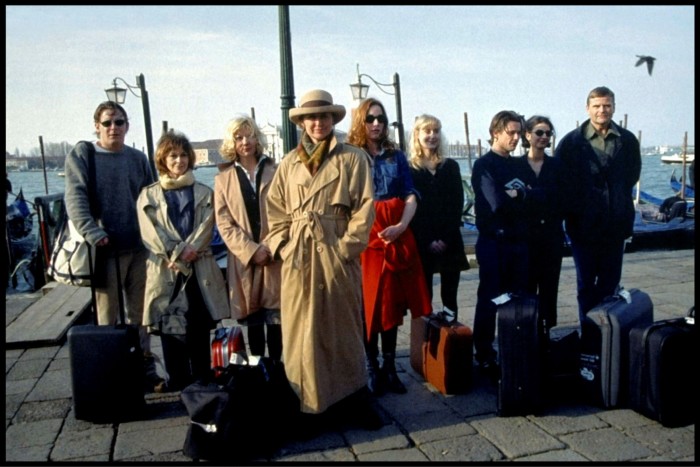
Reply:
x=601, y=164
x=108, y=219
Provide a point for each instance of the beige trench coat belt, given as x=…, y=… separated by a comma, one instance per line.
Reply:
x=314, y=231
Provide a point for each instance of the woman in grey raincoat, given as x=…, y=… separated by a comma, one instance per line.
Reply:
x=185, y=289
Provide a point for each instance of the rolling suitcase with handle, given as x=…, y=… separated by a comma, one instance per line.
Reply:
x=661, y=384
x=107, y=368
x=605, y=345
x=521, y=345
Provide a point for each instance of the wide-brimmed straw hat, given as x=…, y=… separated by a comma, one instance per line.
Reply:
x=316, y=101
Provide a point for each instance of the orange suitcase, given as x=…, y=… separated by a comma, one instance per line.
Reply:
x=442, y=353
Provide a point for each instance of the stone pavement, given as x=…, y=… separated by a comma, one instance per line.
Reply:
x=421, y=426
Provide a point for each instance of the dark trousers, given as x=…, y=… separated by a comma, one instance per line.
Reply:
x=503, y=267
x=598, y=272
x=188, y=358
x=544, y=259
x=449, y=283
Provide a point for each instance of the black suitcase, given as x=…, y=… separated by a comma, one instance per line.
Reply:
x=107, y=369
x=521, y=345
x=605, y=345
x=661, y=384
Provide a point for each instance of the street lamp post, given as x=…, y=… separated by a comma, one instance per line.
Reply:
x=289, y=131
x=359, y=91
x=118, y=95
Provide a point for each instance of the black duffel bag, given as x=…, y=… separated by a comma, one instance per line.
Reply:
x=244, y=413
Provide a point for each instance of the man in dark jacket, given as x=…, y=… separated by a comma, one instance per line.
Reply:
x=601, y=164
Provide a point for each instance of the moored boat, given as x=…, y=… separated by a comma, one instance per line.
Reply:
x=676, y=186
x=677, y=158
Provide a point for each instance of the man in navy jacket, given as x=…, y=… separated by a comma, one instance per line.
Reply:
x=601, y=164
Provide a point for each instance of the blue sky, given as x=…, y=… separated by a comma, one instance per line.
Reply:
x=205, y=64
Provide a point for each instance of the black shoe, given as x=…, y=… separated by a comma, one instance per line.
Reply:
x=366, y=417
x=358, y=410
x=393, y=382
x=376, y=381
x=491, y=370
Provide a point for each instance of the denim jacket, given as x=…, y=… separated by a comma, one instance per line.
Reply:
x=391, y=176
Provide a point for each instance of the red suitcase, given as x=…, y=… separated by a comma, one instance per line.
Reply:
x=442, y=353
x=227, y=341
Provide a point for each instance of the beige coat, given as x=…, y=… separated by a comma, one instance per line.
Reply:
x=164, y=244
x=251, y=287
x=319, y=225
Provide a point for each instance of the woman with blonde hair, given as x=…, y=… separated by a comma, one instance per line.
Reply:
x=438, y=219
x=240, y=193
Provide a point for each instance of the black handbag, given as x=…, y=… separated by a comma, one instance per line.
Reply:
x=242, y=414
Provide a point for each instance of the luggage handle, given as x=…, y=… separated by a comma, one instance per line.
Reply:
x=120, y=296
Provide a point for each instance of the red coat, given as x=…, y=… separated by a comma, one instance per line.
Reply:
x=392, y=274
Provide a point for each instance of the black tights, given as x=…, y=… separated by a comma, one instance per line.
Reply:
x=389, y=339
x=256, y=340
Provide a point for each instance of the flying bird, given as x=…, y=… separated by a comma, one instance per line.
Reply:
x=649, y=61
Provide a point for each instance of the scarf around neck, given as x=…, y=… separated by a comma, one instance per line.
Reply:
x=169, y=183
x=312, y=155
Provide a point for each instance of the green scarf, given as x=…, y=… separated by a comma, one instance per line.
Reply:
x=312, y=155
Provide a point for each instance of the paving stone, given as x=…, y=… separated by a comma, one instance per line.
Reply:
x=672, y=443
x=40, y=353
x=152, y=439
x=607, y=445
x=516, y=436
x=474, y=448
x=28, y=369
x=39, y=433
x=31, y=454
x=396, y=456
x=94, y=444
x=430, y=426
x=43, y=410
x=389, y=437
x=52, y=385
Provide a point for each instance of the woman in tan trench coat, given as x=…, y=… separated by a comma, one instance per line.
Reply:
x=320, y=210
x=253, y=277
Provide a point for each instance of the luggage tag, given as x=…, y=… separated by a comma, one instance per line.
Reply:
x=503, y=298
x=690, y=318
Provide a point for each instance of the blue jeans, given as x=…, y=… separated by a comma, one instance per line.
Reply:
x=598, y=272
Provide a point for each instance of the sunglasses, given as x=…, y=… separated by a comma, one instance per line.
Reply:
x=541, y=133
x=371, y=118
x=108, y=123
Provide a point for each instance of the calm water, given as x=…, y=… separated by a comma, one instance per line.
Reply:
x=654, y=180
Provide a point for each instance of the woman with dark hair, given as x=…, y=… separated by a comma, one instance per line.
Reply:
x=185, y=290
x=542, y=176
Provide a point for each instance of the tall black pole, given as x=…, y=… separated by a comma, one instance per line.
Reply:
x=399, y=117
x=43, y=164
x=289, y=131
x=141, y=82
